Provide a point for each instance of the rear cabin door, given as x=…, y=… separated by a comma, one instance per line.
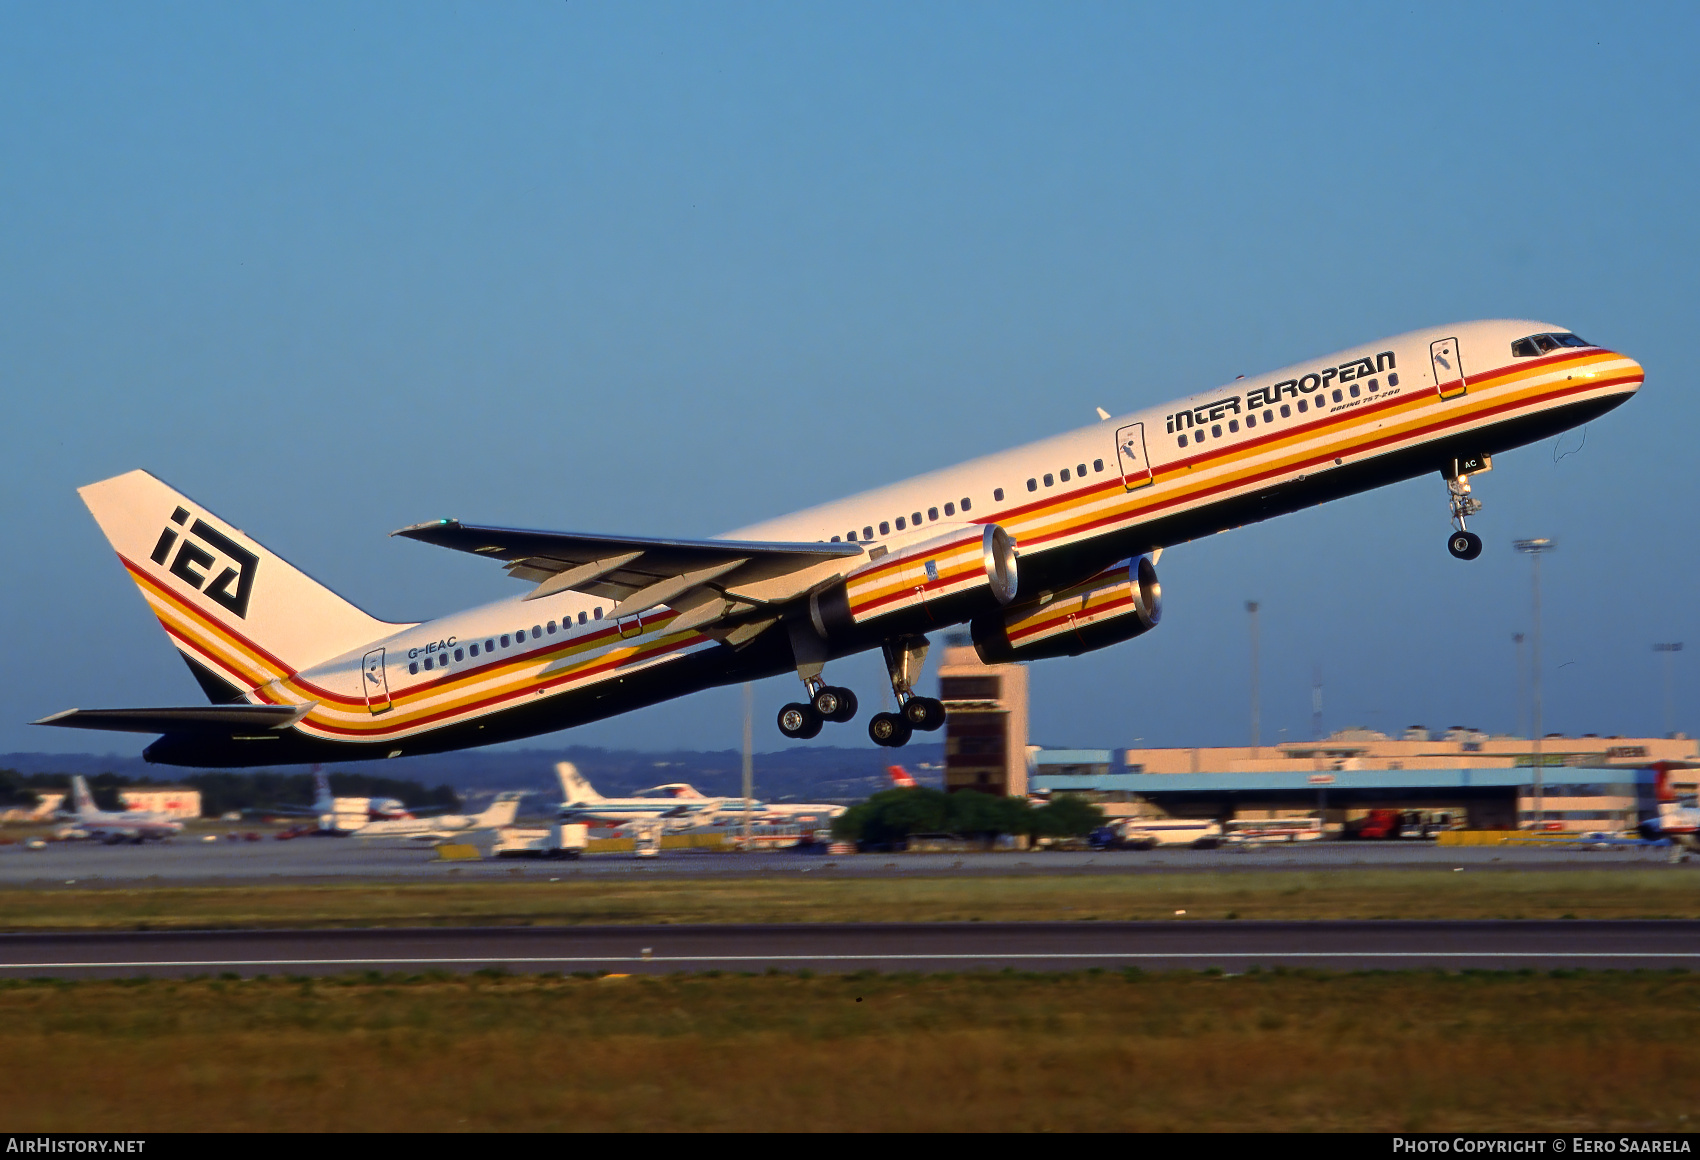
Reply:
x=1130, y=452
x=375, y=682
x=1448, y=367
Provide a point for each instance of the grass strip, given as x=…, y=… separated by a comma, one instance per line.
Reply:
x=1275, y=1051
x=1659, y=892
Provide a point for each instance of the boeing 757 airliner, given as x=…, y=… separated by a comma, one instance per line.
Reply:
x=1047, y=550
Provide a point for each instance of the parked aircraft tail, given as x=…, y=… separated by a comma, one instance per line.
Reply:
x=82, y=801
x=900, y=778
x=240, y=615
x=574, y=788
x=500, y=812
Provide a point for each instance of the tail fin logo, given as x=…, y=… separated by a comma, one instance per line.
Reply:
x=193, y=562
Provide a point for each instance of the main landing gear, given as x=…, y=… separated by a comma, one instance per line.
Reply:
x=904, y=656
x=903, y=659
x=1464, y=544
x=802, y=720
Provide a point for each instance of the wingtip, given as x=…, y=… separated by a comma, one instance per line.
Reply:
x=416, y=531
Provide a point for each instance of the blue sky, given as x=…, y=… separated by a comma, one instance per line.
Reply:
x=333, y=269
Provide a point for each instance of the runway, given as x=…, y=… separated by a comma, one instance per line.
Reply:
x=928, y=947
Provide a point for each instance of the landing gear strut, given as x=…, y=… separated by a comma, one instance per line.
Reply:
x=1464, y=544
x=802, y=720
x=904, y=656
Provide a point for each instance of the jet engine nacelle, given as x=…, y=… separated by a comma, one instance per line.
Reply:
x=1118, y=604
x=939, y=580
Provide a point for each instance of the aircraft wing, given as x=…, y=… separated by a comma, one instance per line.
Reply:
x=211, y=719
x=704, y=581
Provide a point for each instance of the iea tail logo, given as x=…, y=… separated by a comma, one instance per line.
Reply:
x=194, y=562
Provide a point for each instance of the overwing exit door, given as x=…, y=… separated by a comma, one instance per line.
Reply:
x=1130, y=453
x=375, y=683
x=1448, y=367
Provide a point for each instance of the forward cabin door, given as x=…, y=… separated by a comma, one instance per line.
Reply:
x=1448, y=367
x=375, y=682
x=1130, y=452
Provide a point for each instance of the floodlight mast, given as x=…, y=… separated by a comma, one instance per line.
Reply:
x=1670, y=649
x=1535, y=549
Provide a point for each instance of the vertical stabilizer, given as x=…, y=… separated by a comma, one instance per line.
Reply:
x=82, y=801
x=240, y=615
x=573, y=786
x=501, y=812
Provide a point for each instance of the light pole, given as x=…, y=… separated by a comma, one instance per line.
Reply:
x=749, y=757
x=1522, y=677
x=1251, y=607
x=1670, y=649
x=1535, y=549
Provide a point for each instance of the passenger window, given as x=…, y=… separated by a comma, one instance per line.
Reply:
x=1050, y=481
x=1215, y=430
x=519, y=637
x=1250, y=422
x=1392, y=380
x=1097, y=465
x=867, y=533
x=1354, y=390
x=835, y=539
x=967, y=503
x=949, y=509
x=1080, y=470
x=997, y=497
x=582, y=618
x=1065, y=475
x=490, y=646
x=1032, y=485
x=1303, y=406
x=1233, y=426
x=1181, y=439
x=1269, y=416
x=1198, y=435
x=459, y=655
x=536, y=631
x=1374, y=385
x=504, y=642
x=1337, y=395
x=427, y=663
x=1286, y=411
x=596, y=613
x=473, y=649
x=885, y=528
x=915, y=519
x=933, y=513
x=552, y=623
x=899, y=524
x=413, y=668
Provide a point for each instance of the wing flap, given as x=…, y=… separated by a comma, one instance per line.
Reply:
x=218, y=720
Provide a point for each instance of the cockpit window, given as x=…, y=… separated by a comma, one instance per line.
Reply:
x=1539, y=344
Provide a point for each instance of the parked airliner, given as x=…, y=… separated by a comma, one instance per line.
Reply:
x=1046, y=550
x=115, y=826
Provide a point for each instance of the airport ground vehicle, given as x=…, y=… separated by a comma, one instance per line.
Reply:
x=1045, y=550
x=1241, y=831
x=558, y=840
x=1419, y=824
x=1150, y=833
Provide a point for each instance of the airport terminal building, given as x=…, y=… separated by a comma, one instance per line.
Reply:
x=1586, y=783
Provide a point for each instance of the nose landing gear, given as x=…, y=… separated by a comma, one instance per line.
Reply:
x=1464, y=544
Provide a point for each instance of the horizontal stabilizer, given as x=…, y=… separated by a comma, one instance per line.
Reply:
x=219, y=720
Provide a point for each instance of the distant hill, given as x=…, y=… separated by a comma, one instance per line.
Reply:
x=802, y=774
